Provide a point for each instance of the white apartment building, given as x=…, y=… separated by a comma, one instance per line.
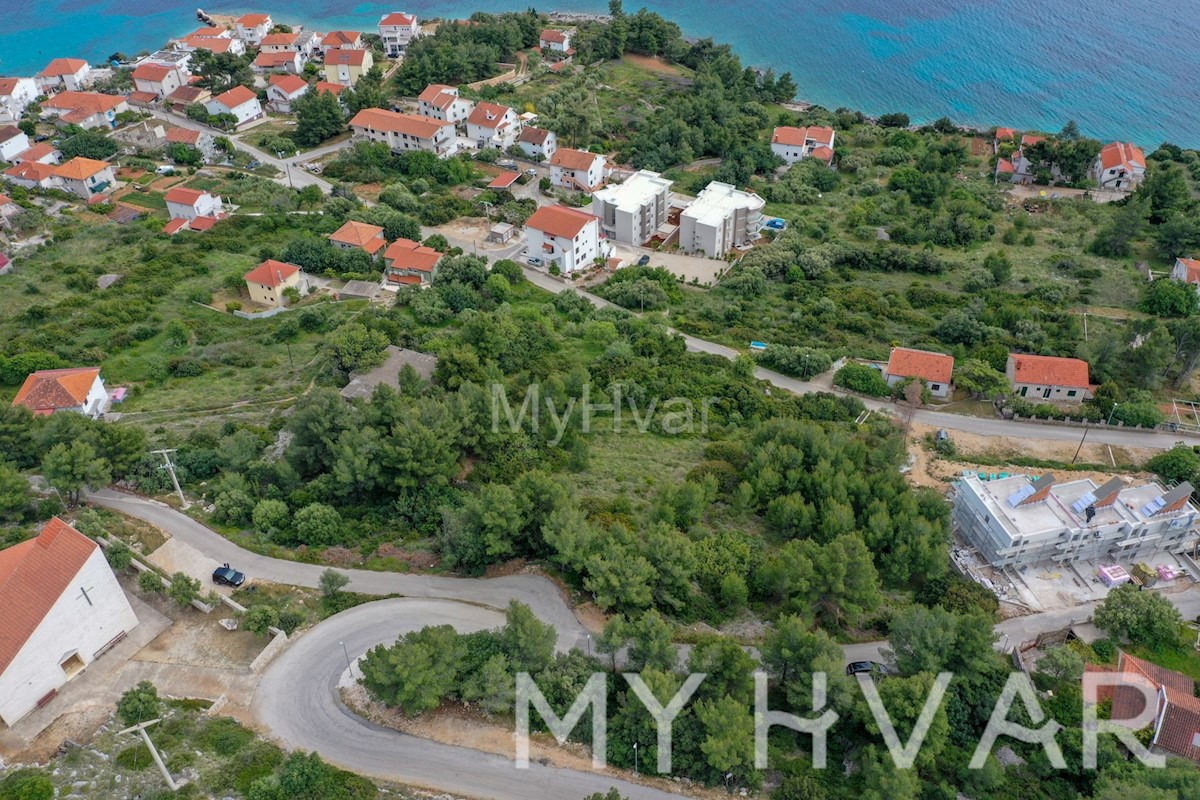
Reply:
x=403, y=132
x=562, y=236
x=1021, y=522
x=722, y=217
x=397, y=30
x=16, y=94
x=443, y=104
x=631, y=212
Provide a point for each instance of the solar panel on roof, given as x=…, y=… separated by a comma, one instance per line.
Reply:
x=1083, y=502
x=1015, y=499
x=1152, y=507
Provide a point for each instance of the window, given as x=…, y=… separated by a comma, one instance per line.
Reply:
x=1071, y=393
x=936, y=387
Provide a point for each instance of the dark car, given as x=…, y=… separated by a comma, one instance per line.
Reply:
x=866, y=668
x=228, y=576
x=643, y=261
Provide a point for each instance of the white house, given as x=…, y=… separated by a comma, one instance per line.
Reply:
x=280, y=43
x=192, y=203
x=1120, y=165
x=793, y=144
x=251, y=28
x=85, y=109
x=562, y=236
x=283, y=90
x=631, y=212
x=158, y=79
x=722, y=217
x=443, y=103
x=85, y=177
x=492, y=125
x=43, y=152
x=238, y=101
x=1048, y=377
x=1188, y=271
x=215, y=40
x=555, y=43
x=289, y=60
x=935, y=370
x=16, y=94
x=577, y=170
x=65, y=73
x=341, y=40
x=77, y=389
x=63, y=609
x=397, y=30
x=13, y=142
x=403, y=132
x=33, y=175
x=538, y=143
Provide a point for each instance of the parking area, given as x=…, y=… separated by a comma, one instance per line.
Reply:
x=704, y=271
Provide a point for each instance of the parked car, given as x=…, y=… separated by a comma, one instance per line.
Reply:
x=166, y=169
x=531, y=172
x=226, y=575
x=873, y=668
x=643, y=261
x=534, y=262
x=776, y=224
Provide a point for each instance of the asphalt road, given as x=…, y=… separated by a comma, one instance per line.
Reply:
x=298, y=700
x=941, y=419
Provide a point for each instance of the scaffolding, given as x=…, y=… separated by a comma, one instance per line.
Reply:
x=1185, y=416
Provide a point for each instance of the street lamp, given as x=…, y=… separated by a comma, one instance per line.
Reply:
x=635, y=763
x=349, y=665
x=589, y=638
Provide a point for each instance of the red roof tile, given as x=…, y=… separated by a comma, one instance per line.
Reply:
x=235, y=97
x=353, y=58
x=175, y=226
x=535, y=136
x=488, y=115
x=80, y=168
x=288, y=84
x=271, y=273
x=333, y=88
x=33, y=576
x=184, y=196
x=62, y=66
x=183, y=136
x=359, y=234
x=1049, y=370
x=573, y=159
x=1003, y=134
x=559, y=221
x=55, y=389
x=438, y=95
x=504, y=180
x=201, y=224
x=398, y=18
x=930, y=367
x=253, y=20
x=552, y=35
x=341, y=38
x=1192, y=267
x=89, y=102
x=152, y=72
x=380, y=120
x=1122, y=154
x=407, y=254
x=279, y=39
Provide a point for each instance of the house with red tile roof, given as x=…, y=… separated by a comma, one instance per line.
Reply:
x=334, y=89
x=283, y=90
x=556, y=44
x=504, y=180
x=73, y=74
x=268, y=281
x=16, y=94
x=43, y=152
x=33, y=175
x=214, y=40
x=1049, y=378
x=1002, y=135
x=577, y=170
x=1174, y=709
x=1187, y=270
x=253, y=28
x=85, y=109
x=492, y=125
x=341, y=40
x=63, y=609
x=443, y=104
x=280, y=43
x=538, y=143
x=8, y=209
x=49, y=391
x=184, y=203
x=185, y=96
x=793, y=144
x=404, y=132
x=85, y=177
x=347, y=66
x=1119, y=165
x=564, y=237
x=409, y=263
x=359, y=235
x=287, y=60
x=935, y=370
x=238, y=101
x=157, y=79
x=396, y=30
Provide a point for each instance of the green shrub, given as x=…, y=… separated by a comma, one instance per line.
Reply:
x=861, y=378
x=119, y=557
x=139, y=704
x=223, y=736
x=135, y=757
x=27, y=784
x=150, y=581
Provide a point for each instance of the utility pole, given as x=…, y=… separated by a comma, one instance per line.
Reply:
x=1088, y=428
x=170, y=468
x=153, y=751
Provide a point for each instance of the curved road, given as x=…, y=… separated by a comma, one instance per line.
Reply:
x=298, y=700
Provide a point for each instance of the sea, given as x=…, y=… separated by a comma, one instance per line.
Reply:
x=1122, y=69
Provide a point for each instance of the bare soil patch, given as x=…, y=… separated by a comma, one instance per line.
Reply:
x=197, y=639
x=652, y=64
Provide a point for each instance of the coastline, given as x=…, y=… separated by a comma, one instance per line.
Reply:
x=1012, y=104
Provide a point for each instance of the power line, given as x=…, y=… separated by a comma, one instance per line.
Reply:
x=170, y=468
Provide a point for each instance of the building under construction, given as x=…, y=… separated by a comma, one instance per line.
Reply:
x=1019, y=522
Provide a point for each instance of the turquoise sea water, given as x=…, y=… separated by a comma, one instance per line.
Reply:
x=1122, y=68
